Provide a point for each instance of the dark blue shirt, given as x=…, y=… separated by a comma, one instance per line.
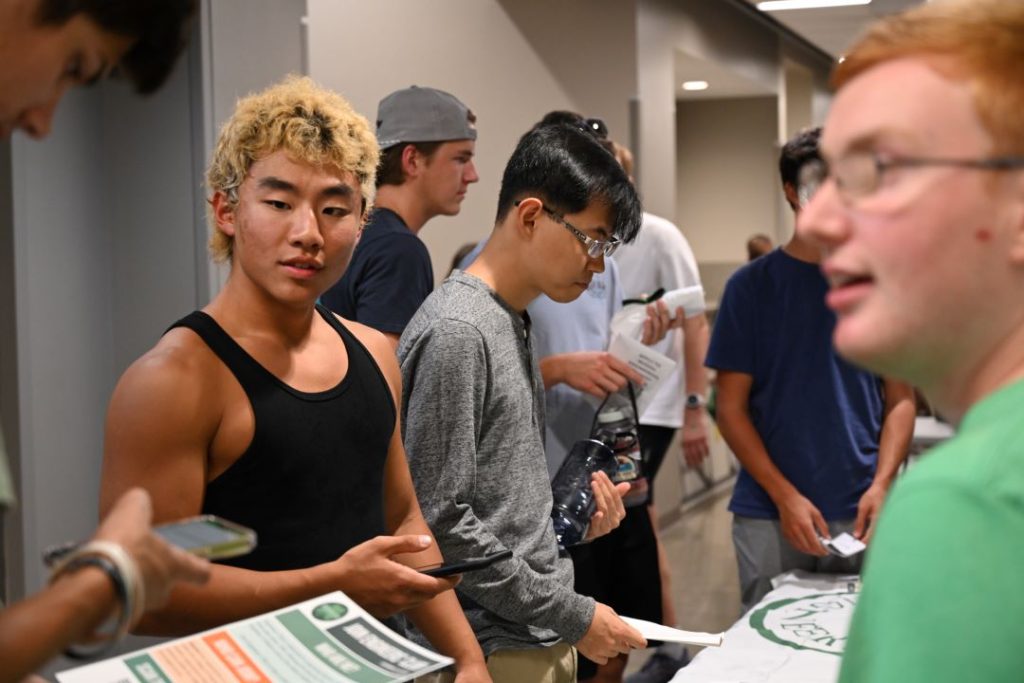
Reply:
x=389, y=277
x=818, y=416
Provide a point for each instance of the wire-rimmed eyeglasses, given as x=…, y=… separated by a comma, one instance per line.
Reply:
x=859, y=174
x=594, y=248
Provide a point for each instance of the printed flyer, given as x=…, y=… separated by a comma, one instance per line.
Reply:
x=329, y=639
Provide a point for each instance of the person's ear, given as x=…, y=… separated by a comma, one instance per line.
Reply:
x=527, y=212
x=224, y=212
x=412, y=161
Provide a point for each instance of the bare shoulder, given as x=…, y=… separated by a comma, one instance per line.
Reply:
x=378, y=346
x=180, y=368
x=163, y=416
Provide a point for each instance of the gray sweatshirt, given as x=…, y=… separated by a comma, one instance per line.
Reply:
x=472, y=422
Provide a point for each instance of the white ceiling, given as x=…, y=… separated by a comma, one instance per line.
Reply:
x=833, y=29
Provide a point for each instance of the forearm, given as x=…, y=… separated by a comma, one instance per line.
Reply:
x=37, y=629
x=742, y=437
x=897, y=431
x=552, y=369
x=232, y=594
x=511, y=589
x=695, y=349
x=442, y=621
x=414, y=523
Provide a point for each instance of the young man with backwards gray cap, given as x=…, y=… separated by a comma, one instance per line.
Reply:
x=427, y=140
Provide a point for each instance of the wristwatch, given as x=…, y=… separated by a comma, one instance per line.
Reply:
x=695, y=401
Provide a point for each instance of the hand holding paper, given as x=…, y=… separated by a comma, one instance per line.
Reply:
x=667, y=634
x=843, y=545
x=653, y=366
x=630, y=320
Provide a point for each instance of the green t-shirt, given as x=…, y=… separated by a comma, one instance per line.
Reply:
x=6, y=486
x=943, y=596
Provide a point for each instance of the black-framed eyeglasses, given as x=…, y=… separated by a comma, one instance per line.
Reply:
x=594, y=248
x=859, y=174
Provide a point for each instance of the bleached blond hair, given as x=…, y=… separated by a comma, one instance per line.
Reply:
x=310, y=123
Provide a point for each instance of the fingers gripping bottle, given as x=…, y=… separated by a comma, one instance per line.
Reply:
x=574, y=502
x=616, y=426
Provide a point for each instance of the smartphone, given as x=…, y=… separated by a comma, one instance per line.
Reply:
x=468, y=565
x=207, y=536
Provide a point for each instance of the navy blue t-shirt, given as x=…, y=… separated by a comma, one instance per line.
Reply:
x=389, y=277
x=818, y=416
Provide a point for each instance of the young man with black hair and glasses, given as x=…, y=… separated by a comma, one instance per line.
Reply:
x=474, y=407
x=571, y=339
x=427, y=139
x=819, y=440
x=920, y=222
x=46, y=47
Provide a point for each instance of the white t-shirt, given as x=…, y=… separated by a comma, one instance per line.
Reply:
x=660, y=257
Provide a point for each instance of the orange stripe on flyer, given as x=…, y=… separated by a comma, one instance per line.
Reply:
x=228, y=651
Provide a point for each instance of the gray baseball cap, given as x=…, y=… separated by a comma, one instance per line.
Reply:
x=418, y=114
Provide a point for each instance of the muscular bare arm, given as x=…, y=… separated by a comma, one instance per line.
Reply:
x=163, y=423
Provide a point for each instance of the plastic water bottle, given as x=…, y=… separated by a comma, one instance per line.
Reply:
x=574, y=502
x=616, y=427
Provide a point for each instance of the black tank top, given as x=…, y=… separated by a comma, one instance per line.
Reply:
x=311, y=483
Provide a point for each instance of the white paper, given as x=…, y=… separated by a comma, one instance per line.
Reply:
x=653, y=366
x=653, y=631
x=844, y=545
x=629, y=321
x=690, y=298
x=329, y=639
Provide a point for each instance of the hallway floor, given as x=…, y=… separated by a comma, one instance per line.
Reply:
x=698, y=542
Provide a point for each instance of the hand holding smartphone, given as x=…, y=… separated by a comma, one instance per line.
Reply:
x=467, y=565
x=207, y=536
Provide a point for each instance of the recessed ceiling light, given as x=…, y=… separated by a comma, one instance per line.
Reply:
x=695, y=85
x=778, y=5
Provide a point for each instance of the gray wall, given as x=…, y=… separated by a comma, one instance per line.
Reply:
x=62, y=265
x=9, y=543
x=510, y=61
x=712, y=31
x=103, y=227
x=103, y=251
x=727, y=180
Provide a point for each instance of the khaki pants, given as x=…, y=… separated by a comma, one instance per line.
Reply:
x=555, y=664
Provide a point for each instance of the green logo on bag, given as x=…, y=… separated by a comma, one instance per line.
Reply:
x=815, y=622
